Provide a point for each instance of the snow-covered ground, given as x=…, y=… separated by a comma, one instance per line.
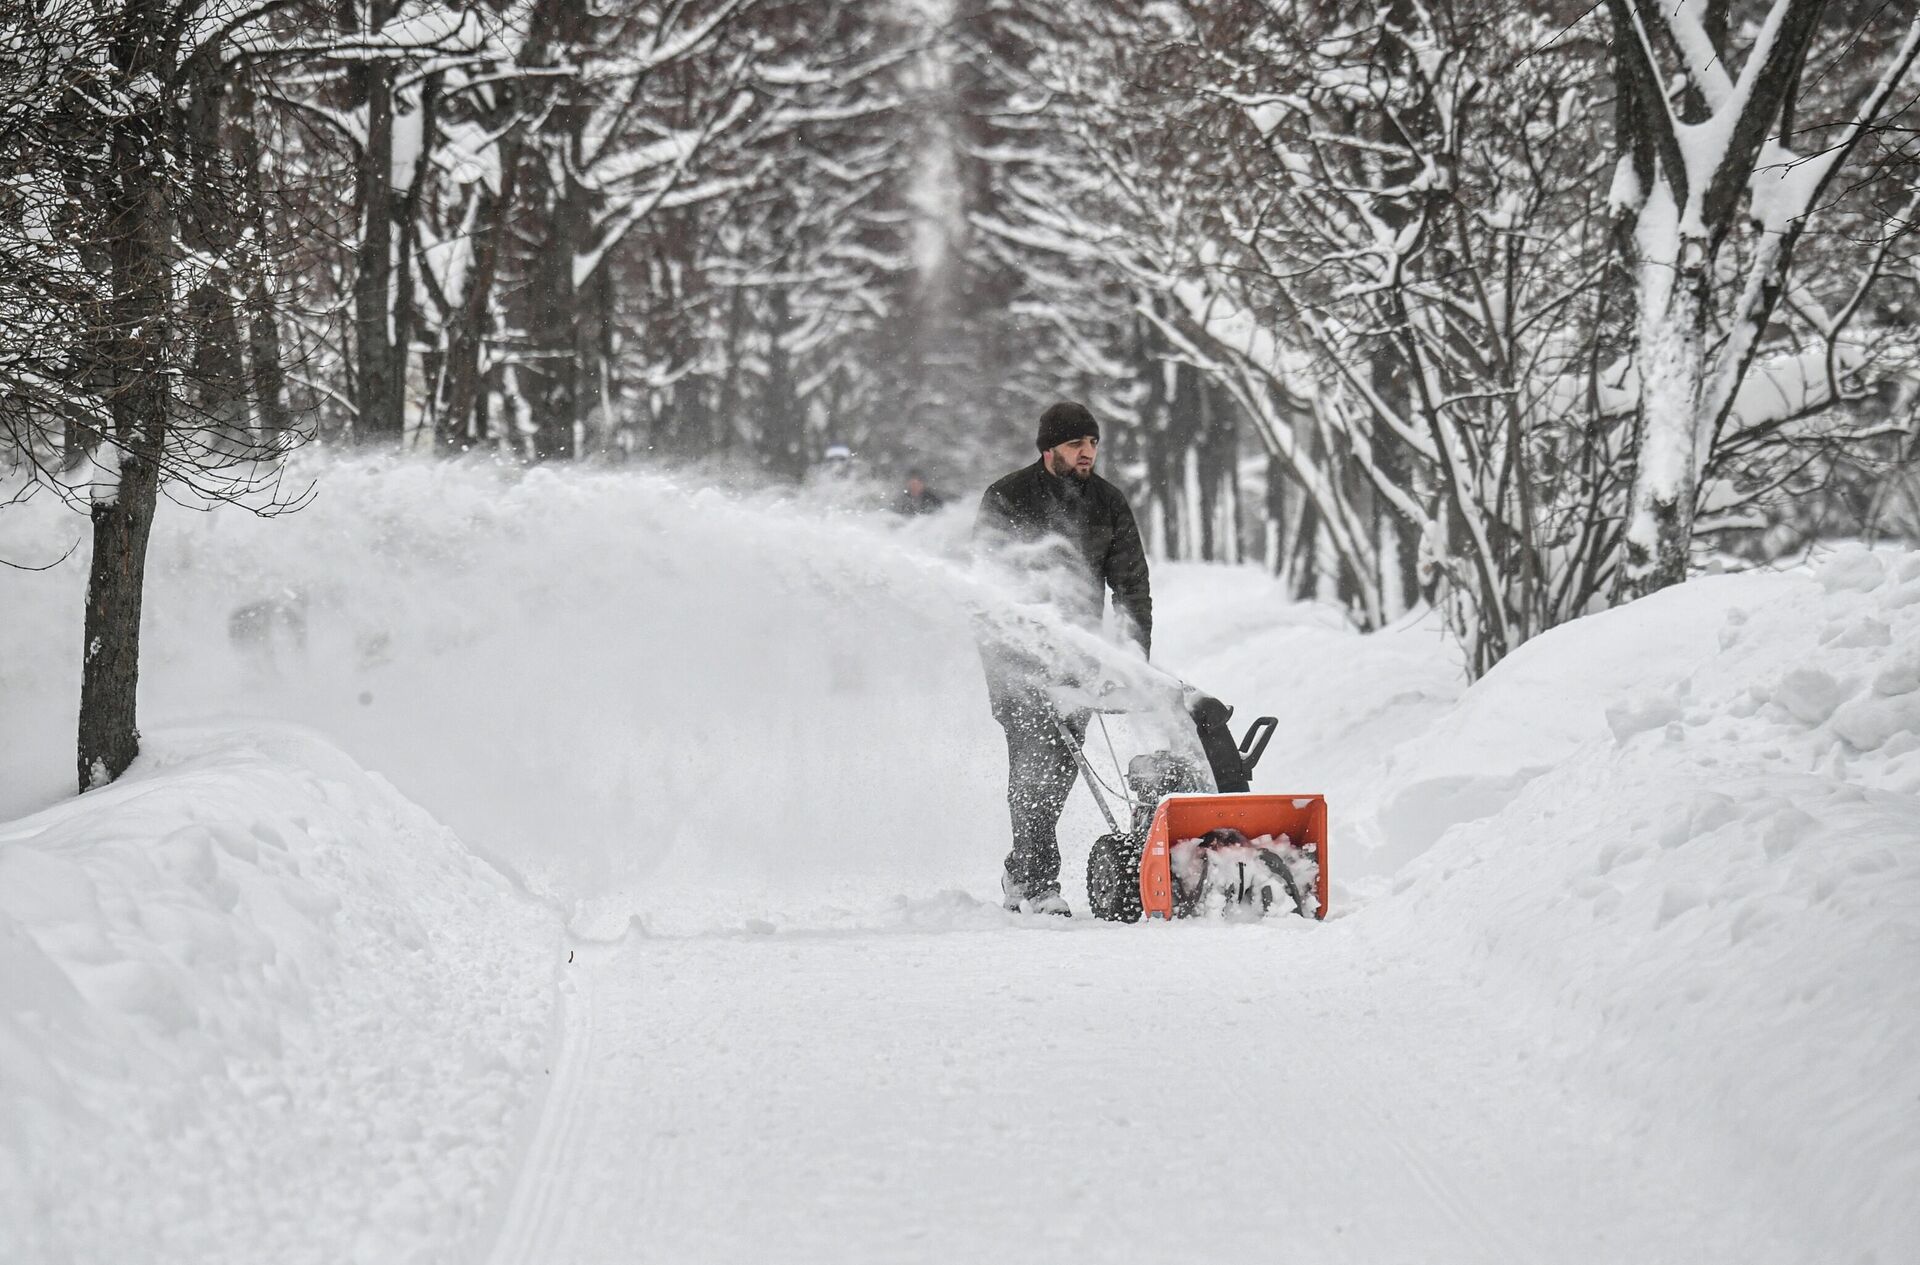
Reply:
x=254, y=1004
x=1625, y=961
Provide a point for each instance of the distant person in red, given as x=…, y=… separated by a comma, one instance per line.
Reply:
x=917, y=497
x=1070, y=535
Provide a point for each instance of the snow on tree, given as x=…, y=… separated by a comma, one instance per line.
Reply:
x=1384, y=293
x=1713, y=194
x=136, y=296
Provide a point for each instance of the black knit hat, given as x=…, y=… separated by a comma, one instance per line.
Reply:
x=1065, y=421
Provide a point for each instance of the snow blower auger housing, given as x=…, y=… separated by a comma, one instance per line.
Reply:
x=1190, y=850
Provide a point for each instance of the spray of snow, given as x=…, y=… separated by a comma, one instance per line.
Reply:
x=603, y=682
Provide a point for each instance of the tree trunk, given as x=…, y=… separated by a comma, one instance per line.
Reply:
x=727, y=419
x=785, y=440
x=557, y=320
x=1219, y=457
x=1666, y=480
x=554, y=323
x=1173, y=456
x=1672, y=227
x=110, y=671
x=267, y=360
x=1399, y=537
x=378, y=379
x=266, y=368
x=140, y=233
x=460, y=422
x=1152, y=371
x=594, y=352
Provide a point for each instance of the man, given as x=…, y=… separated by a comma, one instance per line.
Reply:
x=1069, y=534
x=836, y=463
x=917, y=498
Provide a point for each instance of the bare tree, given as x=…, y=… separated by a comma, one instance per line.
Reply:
x=135, y=260
x=1713, y=198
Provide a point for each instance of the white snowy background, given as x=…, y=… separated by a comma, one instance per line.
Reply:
x=611, y=876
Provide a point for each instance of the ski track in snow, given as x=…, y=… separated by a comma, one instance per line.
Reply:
x=557, y=1142
x=1014, y=1095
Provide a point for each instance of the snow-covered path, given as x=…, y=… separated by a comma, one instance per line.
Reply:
x=1038, y=1094
x=1624, y=963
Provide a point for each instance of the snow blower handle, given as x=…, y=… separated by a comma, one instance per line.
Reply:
x=1086, y=771
x=1254, y=745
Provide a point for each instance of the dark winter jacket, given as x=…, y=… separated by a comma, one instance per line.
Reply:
x=1074, y=541
x=928, y=502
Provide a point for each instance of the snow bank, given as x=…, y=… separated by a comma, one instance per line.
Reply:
x=254, y=1005
x=1546, y=699
x=1697, y=851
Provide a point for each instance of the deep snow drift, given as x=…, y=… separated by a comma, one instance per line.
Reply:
x=255, y=1005
x=1674, y=848
x=1706, y=873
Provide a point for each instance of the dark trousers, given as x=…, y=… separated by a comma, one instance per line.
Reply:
x=1040, y=771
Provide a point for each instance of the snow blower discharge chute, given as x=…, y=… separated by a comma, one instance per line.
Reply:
x=1191, y=849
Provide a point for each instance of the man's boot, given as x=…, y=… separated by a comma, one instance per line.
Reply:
x=1015, y=898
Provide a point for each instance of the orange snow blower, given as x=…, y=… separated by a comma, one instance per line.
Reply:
x=1194, y=849
x=1219, y=823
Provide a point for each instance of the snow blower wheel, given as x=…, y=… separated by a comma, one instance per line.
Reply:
x=1113, y=877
